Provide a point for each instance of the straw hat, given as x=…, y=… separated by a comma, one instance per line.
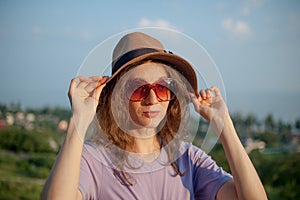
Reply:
x=137, y=46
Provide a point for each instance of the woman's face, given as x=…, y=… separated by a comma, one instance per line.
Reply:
x=150, y=110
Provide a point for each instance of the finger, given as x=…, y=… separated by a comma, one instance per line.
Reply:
x=71, y=90
x=74, y=83
x=95, y=78
x=82, y=84
x=199, y=98
x=77, y=80
x=91, y=83
x=98, y=91
x=80, y=79
x=72, y=86
x=210, y=96
x=103, y=79
x=208, y=93
x=195, y=101
x=101, y=84
x=216, y=91
x=96, y=82
x=90, y=86
x=202, y=94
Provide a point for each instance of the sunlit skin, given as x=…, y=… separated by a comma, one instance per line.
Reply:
x=150, y=112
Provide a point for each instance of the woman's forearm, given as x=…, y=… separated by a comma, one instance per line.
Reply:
x=246, y=180
x=62, y=182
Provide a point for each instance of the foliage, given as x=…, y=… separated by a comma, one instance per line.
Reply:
x=20, y=140
x=11, y=190
x=23, y=174
x=219, y=156
x=280, y=171
x=25, y=162
x=271, y=139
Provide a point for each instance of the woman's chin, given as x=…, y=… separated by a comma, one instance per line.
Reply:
x=154, y=123
x=149, y=124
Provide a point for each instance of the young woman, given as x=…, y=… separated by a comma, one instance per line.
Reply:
x=140, y=149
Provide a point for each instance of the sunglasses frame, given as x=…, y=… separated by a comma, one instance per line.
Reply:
x=169, y=84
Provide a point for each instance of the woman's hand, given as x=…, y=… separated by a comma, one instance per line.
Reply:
x=246, y=183
x=84, y=95
x=210, y=105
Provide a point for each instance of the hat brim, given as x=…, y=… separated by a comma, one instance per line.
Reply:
x=178, y=63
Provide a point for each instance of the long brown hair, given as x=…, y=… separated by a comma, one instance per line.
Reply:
x=176, y=116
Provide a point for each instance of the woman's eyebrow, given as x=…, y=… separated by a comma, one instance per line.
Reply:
x=138, y=79
x=163, y=77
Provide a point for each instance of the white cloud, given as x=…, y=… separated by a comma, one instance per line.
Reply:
x=144, y=22
x=227, y=24
x=242, y=28
x=236, y=29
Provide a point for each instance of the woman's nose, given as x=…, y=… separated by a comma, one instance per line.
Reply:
x=151, y=98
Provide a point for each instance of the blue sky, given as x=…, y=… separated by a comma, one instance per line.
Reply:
x=254, y=43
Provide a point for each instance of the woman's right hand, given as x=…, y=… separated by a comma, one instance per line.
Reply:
x=84, y=95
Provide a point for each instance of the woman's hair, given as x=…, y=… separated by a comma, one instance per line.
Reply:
x=176, y=116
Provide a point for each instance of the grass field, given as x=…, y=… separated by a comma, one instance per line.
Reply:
x=23, y=175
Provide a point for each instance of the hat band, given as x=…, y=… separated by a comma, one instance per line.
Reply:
x=130, y=56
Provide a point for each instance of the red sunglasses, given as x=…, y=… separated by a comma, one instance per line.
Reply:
x=138, y=90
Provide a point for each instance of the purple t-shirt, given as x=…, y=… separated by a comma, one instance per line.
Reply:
x=202, y=179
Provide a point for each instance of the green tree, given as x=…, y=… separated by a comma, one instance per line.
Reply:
x=269, y=123
x=271, y=139
x=297, y=123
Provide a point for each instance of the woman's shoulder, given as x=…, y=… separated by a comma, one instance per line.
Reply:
x=89, y=149
x=194, y=151
x=93, y=152
x=196, y=155
x=98, y=154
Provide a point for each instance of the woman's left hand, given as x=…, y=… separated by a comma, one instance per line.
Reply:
x=210, y=105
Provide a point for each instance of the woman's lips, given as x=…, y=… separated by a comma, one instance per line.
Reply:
x=151, y=114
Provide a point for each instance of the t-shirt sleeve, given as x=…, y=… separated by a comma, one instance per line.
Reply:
x=87, y=184
x=208, y=176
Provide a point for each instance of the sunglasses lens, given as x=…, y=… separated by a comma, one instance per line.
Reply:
x=164, y=89
x=162, y=92
x=139, y=92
